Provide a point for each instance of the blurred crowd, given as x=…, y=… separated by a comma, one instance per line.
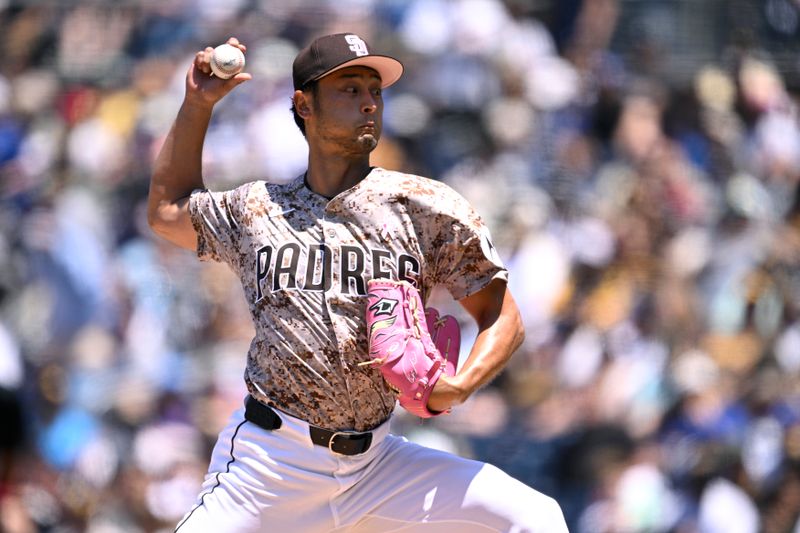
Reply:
x=650, y=222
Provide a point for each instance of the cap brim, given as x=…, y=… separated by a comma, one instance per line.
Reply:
x=387, y=67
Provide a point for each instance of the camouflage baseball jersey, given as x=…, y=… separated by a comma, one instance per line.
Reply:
x=304, y=262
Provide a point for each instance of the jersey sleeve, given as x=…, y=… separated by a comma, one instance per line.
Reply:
x=460, y=247
x=217, y=220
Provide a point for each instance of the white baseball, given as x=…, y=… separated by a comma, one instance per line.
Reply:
x=226, y=61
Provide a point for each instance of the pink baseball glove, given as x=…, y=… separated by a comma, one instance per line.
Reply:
x=412, y=348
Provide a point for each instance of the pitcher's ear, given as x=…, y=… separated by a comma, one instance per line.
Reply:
x=302, y=103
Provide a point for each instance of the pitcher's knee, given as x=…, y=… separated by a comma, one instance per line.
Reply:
x=510, y=505
x=540, y=514
x=554, y=521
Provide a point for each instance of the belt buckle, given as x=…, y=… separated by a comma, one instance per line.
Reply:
x=333, y=437
x=348, y=435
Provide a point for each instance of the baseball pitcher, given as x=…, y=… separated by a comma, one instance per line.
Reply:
x=335, y=267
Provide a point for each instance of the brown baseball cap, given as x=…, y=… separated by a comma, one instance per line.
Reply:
x=333, y=52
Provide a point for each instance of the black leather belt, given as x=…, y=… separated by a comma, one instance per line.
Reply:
x=341, y=442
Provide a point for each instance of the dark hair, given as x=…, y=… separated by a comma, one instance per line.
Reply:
x=300, y=121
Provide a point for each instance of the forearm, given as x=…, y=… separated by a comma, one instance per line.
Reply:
x=178, y=167
x=489, y=355
x=498, y=338
x=500, y=332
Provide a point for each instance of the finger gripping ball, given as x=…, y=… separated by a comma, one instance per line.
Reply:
x=226, y=61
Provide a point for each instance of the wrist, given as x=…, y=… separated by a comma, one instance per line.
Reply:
x=460, y=387
x=196, y=106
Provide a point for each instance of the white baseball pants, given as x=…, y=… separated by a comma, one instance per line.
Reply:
x=278, y=481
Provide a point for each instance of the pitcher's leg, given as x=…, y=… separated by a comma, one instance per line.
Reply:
x=261, y=480
x=221, y=506
x=413, y=488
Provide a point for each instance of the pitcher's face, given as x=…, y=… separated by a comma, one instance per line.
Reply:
x=348, y=110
